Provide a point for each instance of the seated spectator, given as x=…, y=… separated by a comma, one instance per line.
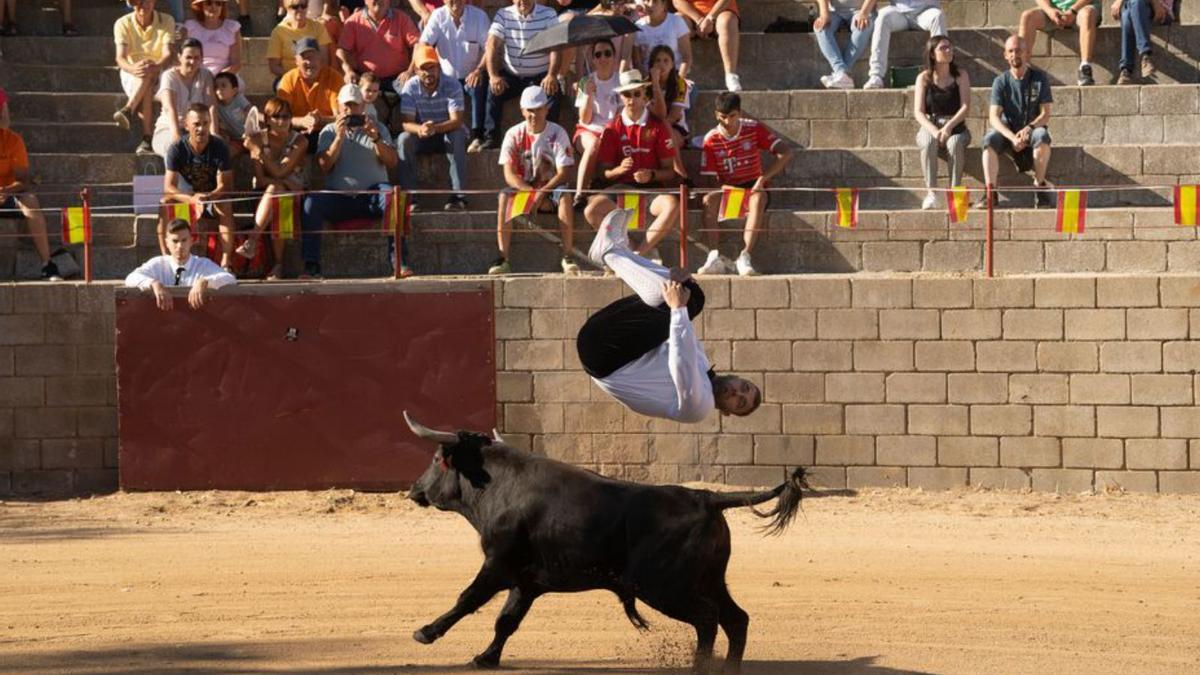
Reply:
x=721, y=17
x=179, y=268
x=311, y=89
x=1135, y=17
x=661, y=26
x=459, y=32
x=732, y=153
x=144, y=48
x=509, y=71
x=669, y=100
x=1019, y=114
x=199, y=173
x=1052, y=15
x=369, y=85
x=355, y=154
x=8, y=19
x=536, y=156
x=577, y=62
x=423, y=9
x=321, y=11
x=925, y=15
x=220, y=37
x=431, y=110
x=186, y=84
x=16, y=184
x=598, y=103
x=378, y=38
x=636, y=153
x=941, y=105
x=280, y=166
x=232, y=109
x=294, y=28
x=4, y=118
x=859, y=16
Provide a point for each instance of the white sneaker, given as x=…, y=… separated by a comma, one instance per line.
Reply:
x=841, y=80
x=733, y=82
x=612, y=234
x=875, y=82
x=825, y=81
x=744, y=268
x=713, y=264
x=931, y=201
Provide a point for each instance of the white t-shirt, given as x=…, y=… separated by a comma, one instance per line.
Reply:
x=183, y=94
x=536, y=157
x=605, y=104
x=666, y=33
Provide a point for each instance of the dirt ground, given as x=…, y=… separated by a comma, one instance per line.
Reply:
x=335, y=582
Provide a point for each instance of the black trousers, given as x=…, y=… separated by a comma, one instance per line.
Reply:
x=625, y=330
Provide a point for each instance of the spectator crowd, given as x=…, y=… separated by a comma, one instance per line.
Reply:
x=363, y=89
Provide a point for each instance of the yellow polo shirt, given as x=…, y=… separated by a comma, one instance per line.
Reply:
x=152, y=42
x=284, y=37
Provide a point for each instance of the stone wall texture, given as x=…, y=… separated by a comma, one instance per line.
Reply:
x=1068, y=383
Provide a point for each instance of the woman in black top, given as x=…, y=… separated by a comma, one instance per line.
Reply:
x=941, y=105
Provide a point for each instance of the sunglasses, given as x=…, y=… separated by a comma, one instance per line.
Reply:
x=281, y=116
x=632, y=94
x=605, y=54
x=297, y=6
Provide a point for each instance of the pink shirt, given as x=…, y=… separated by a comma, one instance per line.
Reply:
x=384, y=48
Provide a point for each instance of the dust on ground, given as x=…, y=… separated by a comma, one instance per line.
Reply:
x=886, y=581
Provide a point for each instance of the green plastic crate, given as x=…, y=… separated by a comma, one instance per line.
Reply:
x=901, y=77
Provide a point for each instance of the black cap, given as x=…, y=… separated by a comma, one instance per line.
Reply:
x=305, y=44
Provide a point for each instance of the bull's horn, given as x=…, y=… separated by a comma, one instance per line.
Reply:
x=497, y=437
x=423, y=431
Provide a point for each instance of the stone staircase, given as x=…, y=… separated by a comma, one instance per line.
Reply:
x=63, y=91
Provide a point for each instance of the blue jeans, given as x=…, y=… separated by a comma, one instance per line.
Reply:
x=842, y=61
x=321, y=209
x=516, y=85
x=475, y=99
x=1135, y=31
x=453, y=143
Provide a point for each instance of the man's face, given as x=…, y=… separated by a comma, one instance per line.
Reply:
x=309, y=64
x=296, y=9
x=524, y=7
x=635, y=102
x=190, y=60
x=1014, y=54
x=729, y=121
x=428, y=74
x=144, y=8
x=197, y=127
x=736, y=396
x=352, y=108
x=179, y=245
x=535, y=118
x=456, y=7
x=375, y=7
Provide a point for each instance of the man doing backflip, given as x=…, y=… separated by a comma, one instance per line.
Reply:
x=643, y=350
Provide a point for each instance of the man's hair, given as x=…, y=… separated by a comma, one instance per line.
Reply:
x=728, y=102
x=198, y=108
x=178, y=225
x=366, y=77
x=228, y=77
x=191, y=43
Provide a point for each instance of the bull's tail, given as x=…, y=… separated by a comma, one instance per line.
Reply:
x=630, y=606
x=789, y=494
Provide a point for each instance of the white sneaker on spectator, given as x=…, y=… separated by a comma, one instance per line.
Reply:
x=841, y=80
x=931, y=201
x=733, y=82
x=612, y=234
x=825, y=80
x=713, y=264
x=875, y=82
x=744, y=268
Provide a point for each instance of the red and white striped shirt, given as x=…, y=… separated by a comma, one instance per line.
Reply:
x=735, y=160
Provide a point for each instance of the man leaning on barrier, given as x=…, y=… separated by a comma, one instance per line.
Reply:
x=179, y=268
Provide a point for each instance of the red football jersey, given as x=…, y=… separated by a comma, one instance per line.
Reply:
x=648, y=142
x=736, y=161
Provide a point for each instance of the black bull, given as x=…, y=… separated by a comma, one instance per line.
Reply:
x=549, y=527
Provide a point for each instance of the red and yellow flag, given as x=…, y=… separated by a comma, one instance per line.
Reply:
x=285, y=225
x=397, y=213
x=183, y=211
x=633, y=201
x=847, y=207
x=76, y=225
x=519, y=204
x=958, y=203
x=735, y=203
x=1072, y=211
x=1185, y=205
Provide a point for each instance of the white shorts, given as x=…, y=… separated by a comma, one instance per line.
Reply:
x=131, y=83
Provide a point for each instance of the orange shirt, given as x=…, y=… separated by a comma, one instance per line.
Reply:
x=12, y=156
x=705, y=6
x=304, y=98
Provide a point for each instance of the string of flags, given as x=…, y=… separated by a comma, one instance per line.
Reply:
x=635, y=202
x=1185, y=205
x=77, y=225
x=735, y=203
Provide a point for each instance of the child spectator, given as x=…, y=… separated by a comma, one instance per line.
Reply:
x=732, y=153
x=232, y=108
x=1052, y=15
x=177, y=267
x=16, y=182
x=598, y=102
x=669, y=100
x=941, y=104
x=280, y=166
x=720, y=17
x=368, y=84
x=144, y=48
x=221, y=37
x=859, y=15
x=901, y=15
x=661, y=26
x=181, y=86
x=1135, y=17
x=295, y=27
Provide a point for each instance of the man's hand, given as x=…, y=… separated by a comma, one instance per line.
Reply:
x=550, y=85
x=370, y=128
x=498, y=85
x=943, y=135
x=675, y=294
x=1159, y=13
x=426, y=130
x=642, y=175
x=472, y=79
x=1115, y=10
x=306, y=123
x=349, y=76
x=197, y=199
x=161, y=297
x=861, y=19
x=590, y=87
x=705, y=26
x=199, y=294
x=820, y=22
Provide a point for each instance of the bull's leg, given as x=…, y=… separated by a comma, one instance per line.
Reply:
x=734, y=621
x=701, y=612
x=488, y=582
x=518, y=603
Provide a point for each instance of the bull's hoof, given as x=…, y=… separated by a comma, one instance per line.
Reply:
x=424, y=636
x=486, y=662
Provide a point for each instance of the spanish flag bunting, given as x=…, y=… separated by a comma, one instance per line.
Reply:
x=519, y=204
x=77, y=225
x=285, y=225
x=847, y=207
x=735, y=203
x=1185, y=205
x=958, y=203
x=397, y=212
x=1072, y=211
x=183, y=211
x=633, y=201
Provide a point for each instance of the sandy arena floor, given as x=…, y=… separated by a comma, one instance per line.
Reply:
x=335, y=582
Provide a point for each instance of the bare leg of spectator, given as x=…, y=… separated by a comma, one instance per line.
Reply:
x=756, y=220
x=143, y=103
x=728, y=41
x=1087, y=20
x=991, y=166
x=664, y=209
x=225, y=228
x=677, y=163
x=10, y=17
x=711, y=235
x=598, y=207
x=1032, y=20
x=263, y=214
x=31, y=209
x=503, y=229
x=566, y=222
x=587, y=163
x=68, y=23
x=1041, y=160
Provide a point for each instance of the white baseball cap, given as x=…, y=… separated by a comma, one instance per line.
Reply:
x=533, y=97
x=350, y=93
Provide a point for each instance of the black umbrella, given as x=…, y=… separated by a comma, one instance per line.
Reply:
x=581, y=30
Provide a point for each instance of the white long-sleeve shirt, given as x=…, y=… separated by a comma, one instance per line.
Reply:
x=162, y=269
x=669, y=381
